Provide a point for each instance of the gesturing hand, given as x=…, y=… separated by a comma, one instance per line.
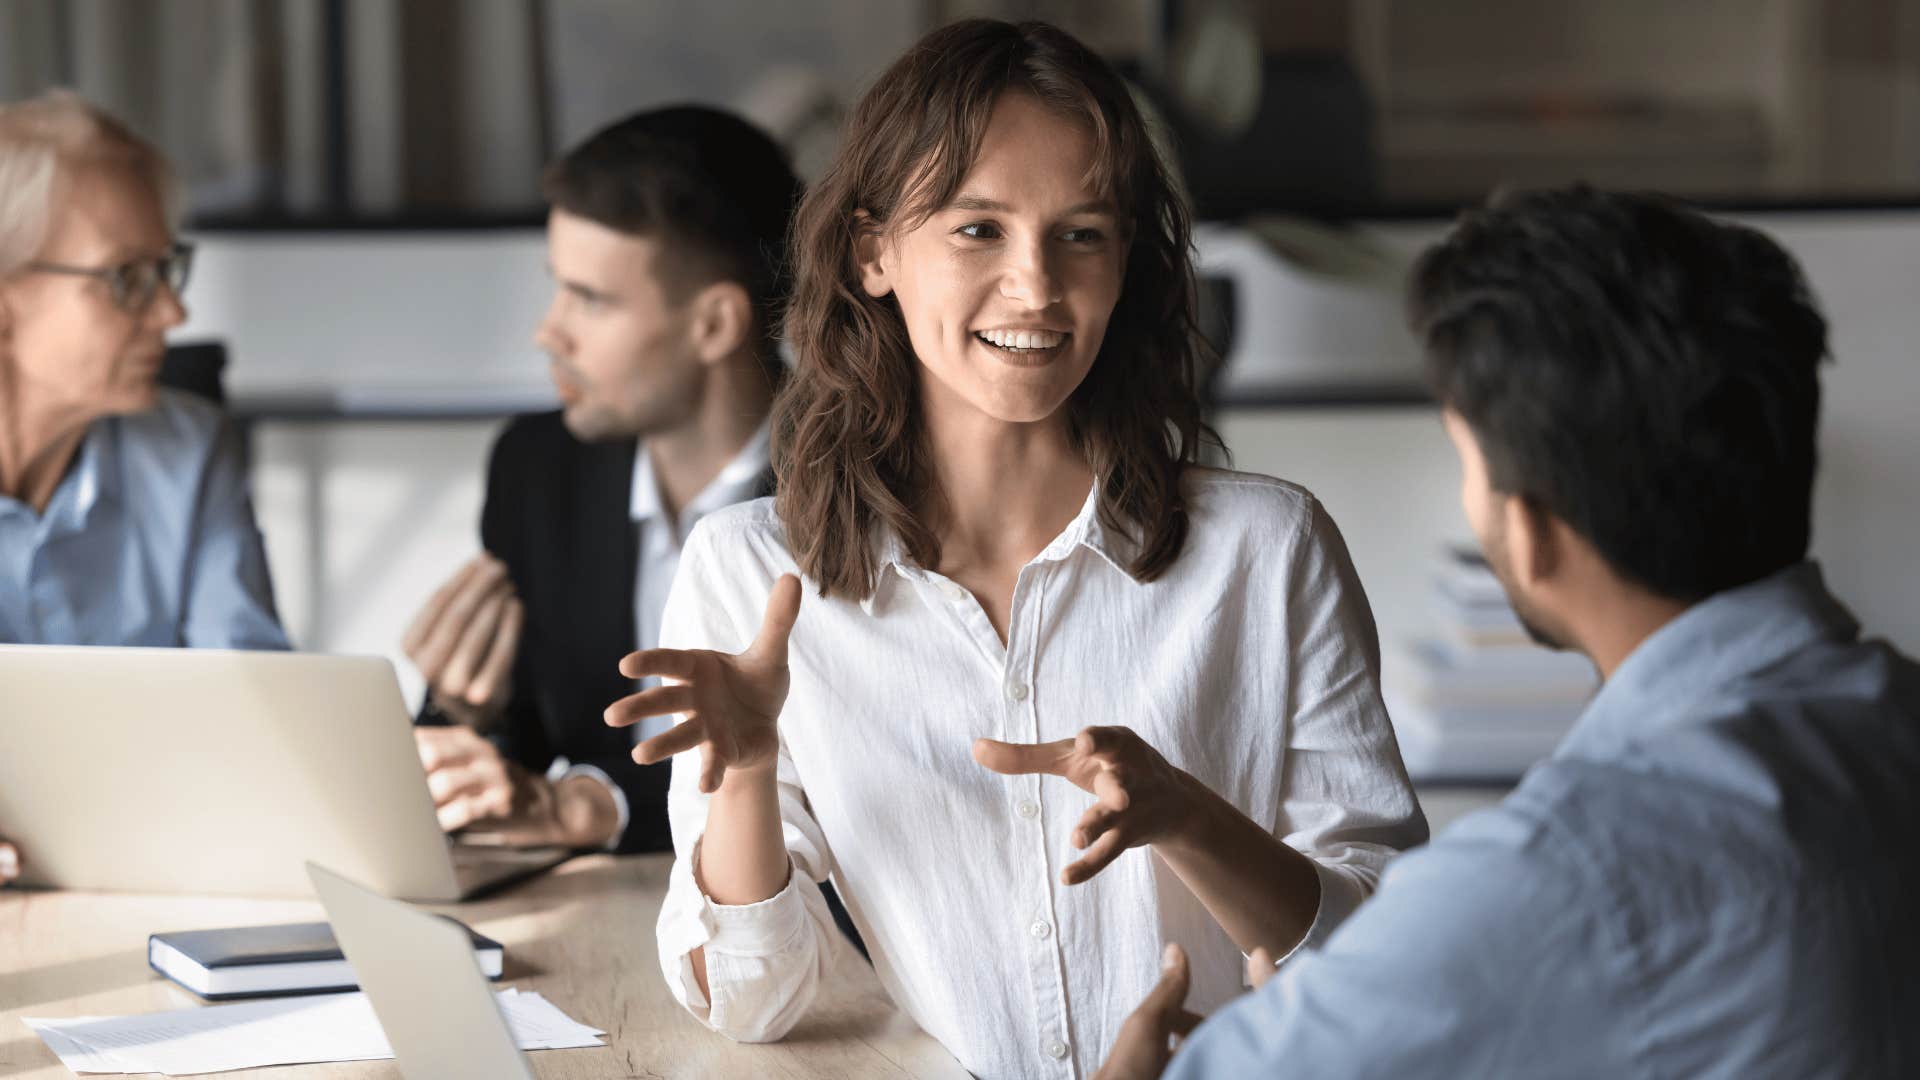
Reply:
x=1260, y=968
x=474, y=786
x=1141, y=798
x=464, y=641
x=1146, y=1039
x=731, y=701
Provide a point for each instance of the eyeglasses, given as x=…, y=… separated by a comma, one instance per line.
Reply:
x=133, y=284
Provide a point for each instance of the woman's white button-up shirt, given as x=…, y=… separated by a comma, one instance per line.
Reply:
x=1252, y=663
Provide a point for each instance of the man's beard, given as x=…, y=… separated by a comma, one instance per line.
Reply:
x=1532, y=625
x=1495, y=550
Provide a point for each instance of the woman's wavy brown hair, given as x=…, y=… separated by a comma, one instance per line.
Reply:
x=848, y=443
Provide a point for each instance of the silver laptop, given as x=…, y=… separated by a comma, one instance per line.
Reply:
x=418, y=970
x=210, y=771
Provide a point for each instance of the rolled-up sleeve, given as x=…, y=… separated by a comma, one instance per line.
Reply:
x=766, y=961
x=1348, y=802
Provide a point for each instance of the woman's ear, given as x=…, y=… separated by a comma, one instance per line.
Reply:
x=873, y=255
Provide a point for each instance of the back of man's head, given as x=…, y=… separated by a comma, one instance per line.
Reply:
x=1644, y=373
x=713, y=188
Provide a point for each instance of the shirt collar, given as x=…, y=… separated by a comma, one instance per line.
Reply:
x=91, y=488
x=87, y=486
x=1712, y=645
x=735, y=482
x=1085, y=530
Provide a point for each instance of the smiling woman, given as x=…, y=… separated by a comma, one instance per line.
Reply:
x=124, y=517
x=960, y=176
x=986, y=476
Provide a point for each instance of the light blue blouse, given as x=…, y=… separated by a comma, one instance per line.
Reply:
x=148, y=540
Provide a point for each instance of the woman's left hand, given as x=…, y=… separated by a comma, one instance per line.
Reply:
x=1140, y=798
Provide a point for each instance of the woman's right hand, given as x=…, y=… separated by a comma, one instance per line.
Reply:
x=731, y=701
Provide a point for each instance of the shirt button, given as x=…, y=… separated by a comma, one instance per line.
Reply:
x=1017, y=691
x=1028, y=808
x=1041, y=931
x=1057, y=1050
x=954, y=592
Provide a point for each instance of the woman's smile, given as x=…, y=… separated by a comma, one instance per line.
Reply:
x=1024, y=348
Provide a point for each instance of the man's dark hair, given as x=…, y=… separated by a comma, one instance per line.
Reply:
x=1645, y=373
x=712, y=187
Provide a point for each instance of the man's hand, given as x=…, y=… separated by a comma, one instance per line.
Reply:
x=1141, y=799
x=1146, y=1039
x=1260, y=968
x=464, y=641
x=9, y=862
x=731, y=701
x=473, y=785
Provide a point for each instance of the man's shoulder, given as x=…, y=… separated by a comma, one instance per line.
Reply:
x=1549, y=828
x=539, y=444
x=543, y=433
x=1649, y=831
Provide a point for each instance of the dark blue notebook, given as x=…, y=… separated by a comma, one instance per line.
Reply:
x=262, y=961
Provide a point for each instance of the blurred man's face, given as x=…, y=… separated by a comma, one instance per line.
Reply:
x=1487, y=513
x=618, y=344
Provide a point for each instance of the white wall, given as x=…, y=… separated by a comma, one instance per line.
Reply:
x=364, y=519
x=373, y=317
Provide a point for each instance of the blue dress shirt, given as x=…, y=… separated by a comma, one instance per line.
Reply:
x=148, y=540
x=1716, y=875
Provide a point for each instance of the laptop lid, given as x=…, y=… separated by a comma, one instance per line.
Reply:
x=418, y=970
x=213, y=771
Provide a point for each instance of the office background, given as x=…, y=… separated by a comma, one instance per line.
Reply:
x=363, y=174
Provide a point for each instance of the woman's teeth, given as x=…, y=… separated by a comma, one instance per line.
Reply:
x=1022, y=340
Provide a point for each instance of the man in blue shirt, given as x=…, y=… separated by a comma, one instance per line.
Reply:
x=1716, y=873
x=124, y=515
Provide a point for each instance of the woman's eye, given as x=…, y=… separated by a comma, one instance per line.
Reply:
x=979, y=230
x=1083, y=236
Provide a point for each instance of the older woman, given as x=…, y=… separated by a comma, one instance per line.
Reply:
x=124, y=513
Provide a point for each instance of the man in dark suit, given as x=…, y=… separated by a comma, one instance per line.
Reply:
x=666, y=241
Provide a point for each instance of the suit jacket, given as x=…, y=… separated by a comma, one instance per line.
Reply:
x=557, y=513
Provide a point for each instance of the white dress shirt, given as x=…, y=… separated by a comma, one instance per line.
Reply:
x=1252, y=663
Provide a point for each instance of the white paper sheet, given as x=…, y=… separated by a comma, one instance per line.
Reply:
x=278, y=1031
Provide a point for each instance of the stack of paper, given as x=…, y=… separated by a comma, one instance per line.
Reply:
x=279, y=1031
x=1480, y=699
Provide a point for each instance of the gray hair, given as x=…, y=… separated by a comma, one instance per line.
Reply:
x=56, y=132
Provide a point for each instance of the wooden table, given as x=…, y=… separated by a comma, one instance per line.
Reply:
x=582, y=935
